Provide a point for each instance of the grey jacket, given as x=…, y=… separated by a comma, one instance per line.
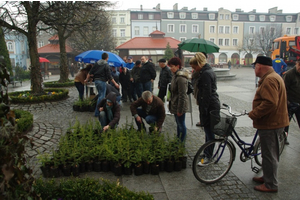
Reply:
x=178, y=89
x=101, y=71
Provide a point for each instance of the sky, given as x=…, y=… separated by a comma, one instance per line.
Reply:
x=261, y=6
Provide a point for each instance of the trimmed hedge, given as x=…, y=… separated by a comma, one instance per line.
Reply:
x=58, y=84
x=24, y=120
x=86, y=188
x=51, y=94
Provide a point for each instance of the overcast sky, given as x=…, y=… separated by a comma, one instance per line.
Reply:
x=261, y=6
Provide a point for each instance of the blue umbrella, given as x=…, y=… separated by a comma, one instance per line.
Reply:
x=92, y=56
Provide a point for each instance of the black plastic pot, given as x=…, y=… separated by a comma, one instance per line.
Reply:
x=154, y=169
x=177, y=165
x=127, y=170
x=184, y=161
x=46, y=171
x=66, y=169
x=146, y=168
x=82, y=167
x=97, y=166
x=138, y=169
x=75, y=170
x=118, y=169
x=105, y=166
x=54, y=172
x=89, y=166
x=161, y=166
x=75, y=107
x=169, y=166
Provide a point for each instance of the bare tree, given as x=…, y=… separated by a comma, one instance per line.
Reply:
x=265, y=37
x=23, y=17
x=66, y=17
x=249, y=45
x=99, y=36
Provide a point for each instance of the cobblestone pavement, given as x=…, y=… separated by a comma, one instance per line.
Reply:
x=51, y=120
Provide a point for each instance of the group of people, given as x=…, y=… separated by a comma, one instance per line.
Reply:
x=270, y=113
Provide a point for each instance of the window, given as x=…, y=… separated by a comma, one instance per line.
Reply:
x=212, y=40
x=182, y=15
x=145, y=30
x=154, y=28
x=296, y=31
x=151, y=16
x=136, y=30
x=10, y=46
x=235, y=17
x=211, y=16
x=182, y=39
x=251, y=29
x=220, y=42
x=122, y=32
x=235, y=30
x=195, y=28
x=211, y=29
x=288, y=30
x=262, y=18
x=288, y=18
x=194, y=15
x=226, y=42
x=252, y=18
x=170, y=28
x=114, y=20
x=221, y=29
x=40, y=44
x=140, y=16
x=221, y=16
x=261, y=30
x=227, y=29
x=170, y=15
x=122, y=20
x=272, y=18
x=226, y=16
x=114, y=32
x=234, y=42
x=182, y=28
x=23, y=46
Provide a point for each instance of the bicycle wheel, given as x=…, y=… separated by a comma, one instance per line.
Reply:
x=257, y=147
x=210, y=169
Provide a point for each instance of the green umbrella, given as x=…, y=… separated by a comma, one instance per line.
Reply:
x=198, y=45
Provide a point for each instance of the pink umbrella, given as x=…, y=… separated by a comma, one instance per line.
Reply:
x=41, y=59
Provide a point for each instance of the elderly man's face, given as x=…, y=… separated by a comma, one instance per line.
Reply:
x=149, y=101
x=143, y=59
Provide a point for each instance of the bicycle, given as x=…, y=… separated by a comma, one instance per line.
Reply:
x=214, y=159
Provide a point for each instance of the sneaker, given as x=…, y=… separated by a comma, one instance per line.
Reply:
x=204, y=162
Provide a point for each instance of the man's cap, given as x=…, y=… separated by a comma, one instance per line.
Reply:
x=129, y=57
x=162, y=60
x=264, y=60
x=138, y=62
x=150, y=59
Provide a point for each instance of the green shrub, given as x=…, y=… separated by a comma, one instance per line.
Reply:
x=24, y=120
x=69, y=83
x=85, y=188
x=50, y=94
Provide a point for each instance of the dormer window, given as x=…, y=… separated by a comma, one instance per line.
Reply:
x=288, y=18
x=272, y=18
x=170, y=15
x=182, y=15
x=211, y=16
x=262, y=18
x=235, y=17
x=252, y=18
x=194, y=15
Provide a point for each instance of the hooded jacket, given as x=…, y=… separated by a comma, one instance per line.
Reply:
x=115, y=109
x=178, y=89
x=101, y=71
x=207, y=96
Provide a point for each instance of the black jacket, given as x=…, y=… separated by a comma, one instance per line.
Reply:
x=207, y=97
x=101, y=71
x=165, y=77
x=147, y=72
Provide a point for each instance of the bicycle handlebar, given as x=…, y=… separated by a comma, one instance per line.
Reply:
x=227, y=107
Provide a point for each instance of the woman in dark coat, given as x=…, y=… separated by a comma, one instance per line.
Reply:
x=207, y=96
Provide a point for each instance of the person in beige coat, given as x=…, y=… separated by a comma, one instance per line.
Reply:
x=178, y=104
x=79, y=80
x=270, y=116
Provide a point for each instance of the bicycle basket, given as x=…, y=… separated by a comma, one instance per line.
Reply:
x=221, y=123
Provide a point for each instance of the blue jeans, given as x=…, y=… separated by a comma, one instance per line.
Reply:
x=80, y=88
x=147, y=86
x=101, y=87
x=139, y=89
x=181, y=128
x=150, y=119
x=209, y=135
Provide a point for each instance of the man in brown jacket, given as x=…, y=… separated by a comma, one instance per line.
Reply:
x=269, y=116
x=152, y=110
